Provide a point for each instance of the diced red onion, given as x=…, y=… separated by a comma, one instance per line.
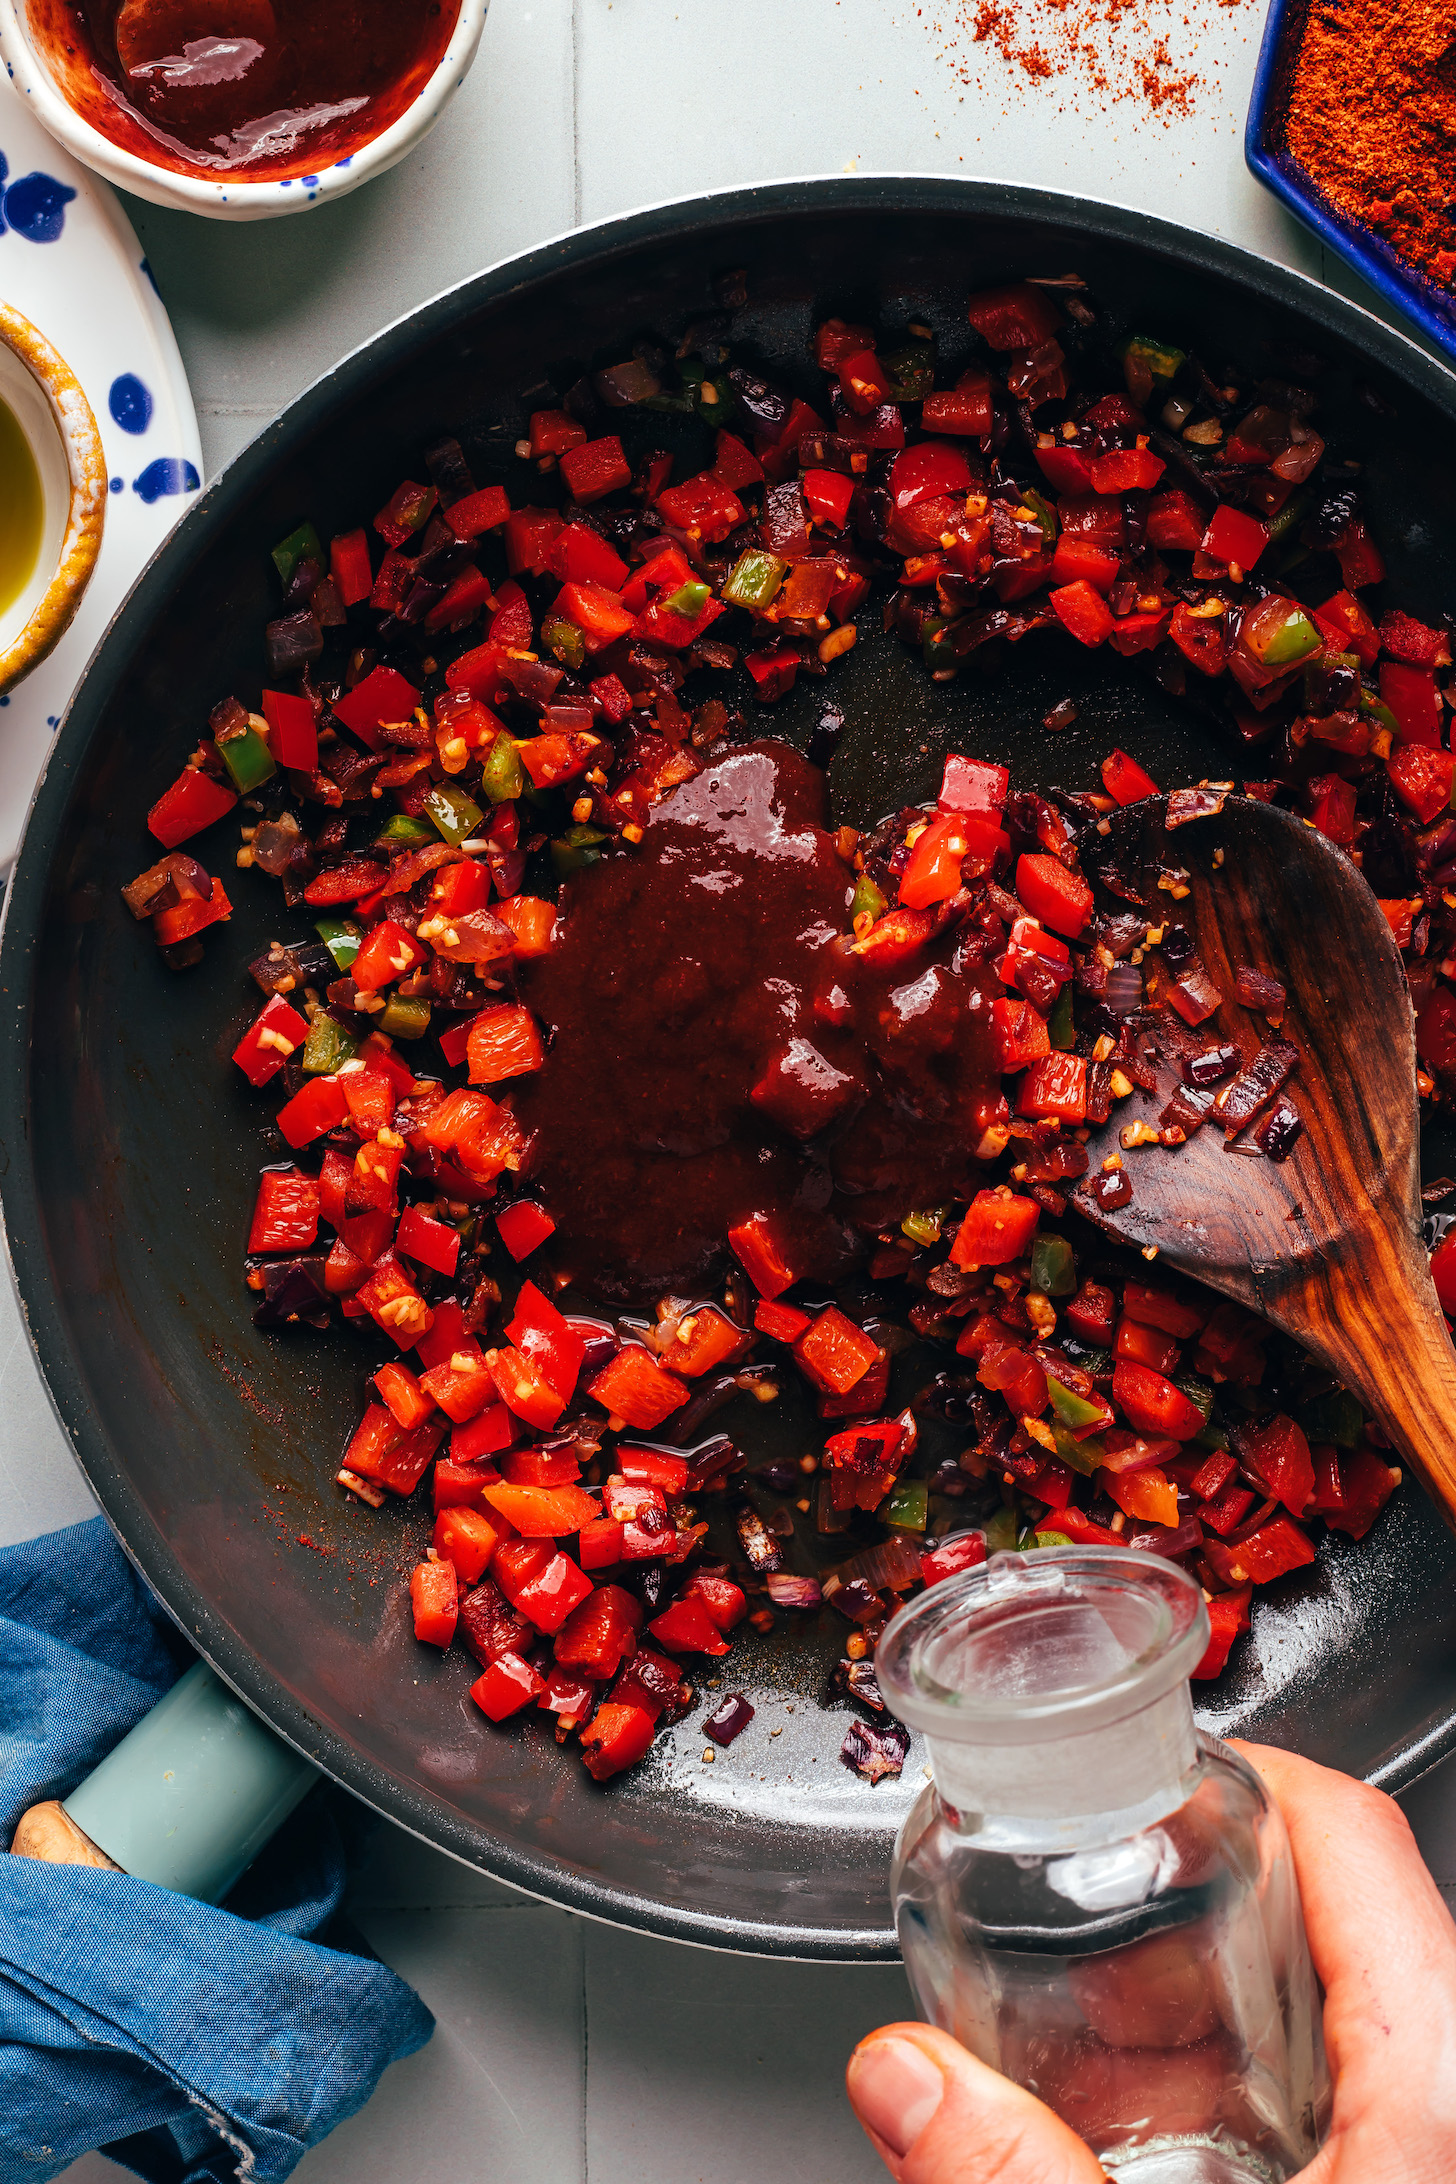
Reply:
x=892, y=1565
x=729, y=1718
x=1257, y=990
x=1161, y=1539
x=291, y=642
x=794, y=1592
x=758, y=1544
x=274, y=844
x=858, y=1678
x=1187, y=804
x=1194, y=995
x=1124, y=991
x=875, y=1749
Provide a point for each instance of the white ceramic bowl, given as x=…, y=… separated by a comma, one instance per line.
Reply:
x=230, y=197
x=46, y=400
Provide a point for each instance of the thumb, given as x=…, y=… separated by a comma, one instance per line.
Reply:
x=937, y=2116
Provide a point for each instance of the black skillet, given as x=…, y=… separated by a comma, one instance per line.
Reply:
x=130, y=1145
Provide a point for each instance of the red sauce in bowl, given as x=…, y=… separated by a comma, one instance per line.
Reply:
x=267, y=90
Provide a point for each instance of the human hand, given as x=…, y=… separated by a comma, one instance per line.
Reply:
x=1384, y=1947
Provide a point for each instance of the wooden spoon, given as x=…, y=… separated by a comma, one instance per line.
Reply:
x=1327, y=1243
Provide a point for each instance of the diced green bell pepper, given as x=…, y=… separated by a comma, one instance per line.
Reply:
x=866, y=898
x=936, y=648
x=1045, y=1538
x=910, y=371
x=502, y=776
x=248, y=760
x=341, y=938
x=405, y=1017
x=1061, y=1031
x=402, y=832
x=908, y=1506
x=300, y=545
x=1044, y=512
x=1073, y=1409
x=754, y=579
x=1371, y=706
x=923, y=1228
x=1162, y=359
x=1212, y=1437
x=1002, y=1532
x=1284, y=519
x=1084, y=1456
x=455, y=816
x=564, y=639
x=689, y=599
x=1316, y=667
x=1053, y=1270
x=715, y=401
x=1199, y=1392
x=1294, y=639
x=327, y=1047
x=577, y=848
x=1334, y=1417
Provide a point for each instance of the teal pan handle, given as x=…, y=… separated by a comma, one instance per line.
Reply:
x=191, y=1796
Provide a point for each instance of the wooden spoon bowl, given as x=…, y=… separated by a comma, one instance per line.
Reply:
x=1326, y=1244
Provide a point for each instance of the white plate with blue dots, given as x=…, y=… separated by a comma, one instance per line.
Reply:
x=70, y=262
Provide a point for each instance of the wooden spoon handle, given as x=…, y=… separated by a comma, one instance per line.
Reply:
x=1388, y=1342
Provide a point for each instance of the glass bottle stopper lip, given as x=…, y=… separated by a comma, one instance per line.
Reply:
x=1058, y=1642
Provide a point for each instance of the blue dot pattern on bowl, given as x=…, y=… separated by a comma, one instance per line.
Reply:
x=35, y=206
x=130, y=403
x=168, y=474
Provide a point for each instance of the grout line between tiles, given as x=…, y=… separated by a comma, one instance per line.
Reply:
x=576, y=186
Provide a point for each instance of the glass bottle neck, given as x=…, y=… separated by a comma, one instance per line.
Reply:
x=1076, y=1789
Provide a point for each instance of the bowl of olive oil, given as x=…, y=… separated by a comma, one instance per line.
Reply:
x=53, y=492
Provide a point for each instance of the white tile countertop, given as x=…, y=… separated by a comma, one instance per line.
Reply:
x=566, y=2049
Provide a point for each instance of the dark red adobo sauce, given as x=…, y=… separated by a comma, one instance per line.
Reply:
x=266, y=89
x=708, y=1011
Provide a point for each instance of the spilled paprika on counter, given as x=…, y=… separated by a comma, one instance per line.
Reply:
x=269, y=90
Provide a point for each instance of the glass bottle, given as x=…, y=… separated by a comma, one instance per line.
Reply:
x=1093, y=1896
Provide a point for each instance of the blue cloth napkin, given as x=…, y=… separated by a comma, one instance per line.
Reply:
x=191, y=2044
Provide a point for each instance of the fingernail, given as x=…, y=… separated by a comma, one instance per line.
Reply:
x=896, y=2089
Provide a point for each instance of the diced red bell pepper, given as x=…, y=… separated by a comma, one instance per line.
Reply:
x=1133, y=633
x=466, y=1538
x=292, y=729
x=462, y=599
x=269, y=1040
x=703, y=507
x=581, y=555
x=349, y=566
x=687, y=1627
x=428, y=1242
x=508, y=1684
x=828, y=494
x=1020, y=1033
x=503, y=1042
x=462, y=1386
x=286, y=1215
x=553, y=432
x=934, y=871
x=493, y=1429
x=1276, y=1548
x=1443, y=1273
x=386, y=953
x=523, y=1226
x=997, y=1229
x=1065, y=468
x=541, y=1466
x=1055, y=1088
x=455, y=1485
x=474, y=1132
x=381, y=1450
x=193, y=802
x=834, y=1353
x=1275, y=1455
x=405, y=1399
x=1422, y=779
x=405, y=512
x=1151, y=1404
x=383, y=695
x=1228, y=1614
x=1126, y=470
x=192, y=915
x=1410, y=692
x=929, y=471
x=964, y=411
x=543, y=1512
x=1124, y=779
x=599, y=1544
x=598, y=468
x=660, y=624
x=705, y=1340
x=1017, y=316
x=478, y=513
x=783, y=1322
x=723, y=1599
x=435, y=1598
x=1367, y=1482
x=614, y=698
x=864, y=382
x=634, y=1387
x=1083, y=561
x=1145, y=1346
x=524, y=1387
x=760, y=1252
x=531, y=534
x=1148, y=1494
x=1234, y=538
x=618, y=1737
x=949, y=1557
x=1156, y=1308
x=548, y=1598
x=548, y=1339
x=1082, y=612
x=1404, y=638
x=318, y=1107
x=1091, y=1312
x=835, y=340
x=600, y=1634
x=973, y=786
x=734, y=463
x=1059, y=898
x=1176, y=523
x=1015, y=1373
x=1345, y=622
x=597, y=613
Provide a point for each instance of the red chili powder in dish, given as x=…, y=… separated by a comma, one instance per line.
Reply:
x=1372, y=120
x=267, y=90
x=1152, y=53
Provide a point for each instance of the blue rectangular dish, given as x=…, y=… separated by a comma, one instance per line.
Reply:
x=1433, y=309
